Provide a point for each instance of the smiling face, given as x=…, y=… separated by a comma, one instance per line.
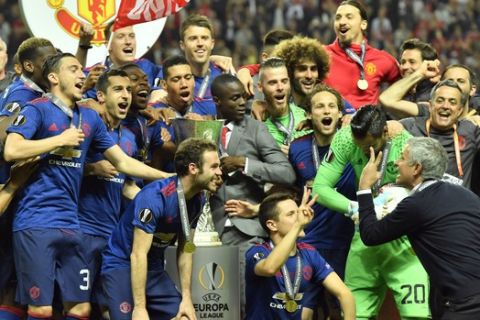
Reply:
x=67, y=82
x=275, y=85
x=124, y=46
x=231, y=102
x=410, y=61
x=406, y=170
x=118, y=97
x=305, y=76
x=462, y=77
x=140, y=87
x=209, y=177
x=197, y=43
x=349, y=25
x=445, y=108
x=325, y=113
x=179, y=84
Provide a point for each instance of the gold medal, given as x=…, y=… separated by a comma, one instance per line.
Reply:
x=189, y=247
x=291, y=306
x=362, y=84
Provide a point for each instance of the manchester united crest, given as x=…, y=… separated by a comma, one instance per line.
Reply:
x=60, y=22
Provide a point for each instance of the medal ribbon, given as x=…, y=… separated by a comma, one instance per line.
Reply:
x=383, y=165
x=287, y=131
x=204, y=85
x=145, y=139
x=357, y=59
x=456, y=145
x=31, y=84
x=315, y=154
x=183, y=212
x=292, y=290
x=65, y=109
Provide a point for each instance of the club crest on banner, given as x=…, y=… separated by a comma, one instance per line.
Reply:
x=60, y=21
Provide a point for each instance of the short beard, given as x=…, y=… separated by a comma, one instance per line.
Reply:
x=344, y=44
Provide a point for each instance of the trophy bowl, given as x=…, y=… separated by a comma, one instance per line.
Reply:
x=204, y=129
x=205, y=234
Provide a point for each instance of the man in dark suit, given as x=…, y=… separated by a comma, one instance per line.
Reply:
x=441, y=220
x=250, y=157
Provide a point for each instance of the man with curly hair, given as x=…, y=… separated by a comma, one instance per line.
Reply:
x=307, y=64
x=357, y=70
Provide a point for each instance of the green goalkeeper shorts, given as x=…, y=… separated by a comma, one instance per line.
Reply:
x=370, y=270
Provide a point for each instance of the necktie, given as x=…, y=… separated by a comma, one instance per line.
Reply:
x=223, y=137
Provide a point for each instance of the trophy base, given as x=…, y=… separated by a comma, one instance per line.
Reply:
x=207, y=239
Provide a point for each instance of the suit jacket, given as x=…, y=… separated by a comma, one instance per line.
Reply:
x=266, y=163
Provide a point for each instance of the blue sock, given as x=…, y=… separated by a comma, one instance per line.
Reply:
x=8, y=313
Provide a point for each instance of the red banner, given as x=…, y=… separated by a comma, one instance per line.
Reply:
x=139, y=11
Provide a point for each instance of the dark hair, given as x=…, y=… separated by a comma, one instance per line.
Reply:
x=191, y=151
x=321, y=88
x=274, y=37
x=198, y=21
x=358, y=5
x=52, y=64
x=452, y=84
x=129, y=65
x=298, y=49
x=369, y=119
x=173, y=61
x=104, y=80
x=28, y=48
x=220, y=82
x=471, y=73
x=271, y=63
x=268, y=208
x=426, y=50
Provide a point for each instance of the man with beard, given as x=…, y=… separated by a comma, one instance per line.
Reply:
x=329, y=232
x=135, y=282
x=45, y=227
x=250, y=158
x=307, y=64
x=102, y=185
x=357, y=70
x=370, y=271
x=284, y=115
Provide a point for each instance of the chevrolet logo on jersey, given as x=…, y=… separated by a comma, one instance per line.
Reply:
x=67, y=152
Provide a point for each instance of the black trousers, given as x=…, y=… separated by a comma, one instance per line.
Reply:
x=454, y=309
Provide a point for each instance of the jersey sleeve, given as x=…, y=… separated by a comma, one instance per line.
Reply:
x=101, y=139
x=252, y=257
x=331, y=169
x=27, y=122
x=147, y=213
x=321, y=268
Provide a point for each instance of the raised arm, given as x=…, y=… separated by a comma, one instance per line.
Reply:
x=392, y=97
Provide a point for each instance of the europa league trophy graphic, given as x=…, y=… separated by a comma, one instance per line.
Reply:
x=205, y=234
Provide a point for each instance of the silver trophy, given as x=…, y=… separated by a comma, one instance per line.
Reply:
x=205, y=234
